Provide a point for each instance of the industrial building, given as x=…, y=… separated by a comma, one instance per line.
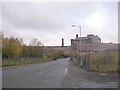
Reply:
x=91, y=43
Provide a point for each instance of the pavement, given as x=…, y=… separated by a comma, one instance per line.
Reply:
x=80, y=78
x=60, y=73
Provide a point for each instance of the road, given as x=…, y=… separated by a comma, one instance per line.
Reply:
x=55, y=74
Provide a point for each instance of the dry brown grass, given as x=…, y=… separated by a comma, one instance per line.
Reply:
x=100, y=61
x=104, y=61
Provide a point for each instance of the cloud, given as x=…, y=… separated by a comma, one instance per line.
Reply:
x=30, y=16
x=50, y=22
x=39, y=16
x=0, y=16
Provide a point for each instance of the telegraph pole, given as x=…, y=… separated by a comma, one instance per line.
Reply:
x=80, y=50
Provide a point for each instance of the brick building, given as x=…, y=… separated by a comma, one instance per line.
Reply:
x=83, y=47
x=89, y=39
x=90, y=43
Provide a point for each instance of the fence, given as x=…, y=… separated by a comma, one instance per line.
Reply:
x=98, y=61
x=21, y=61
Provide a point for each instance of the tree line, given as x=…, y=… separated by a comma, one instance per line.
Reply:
x=15, y=48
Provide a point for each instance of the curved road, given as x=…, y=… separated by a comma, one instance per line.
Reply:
x=55, y=74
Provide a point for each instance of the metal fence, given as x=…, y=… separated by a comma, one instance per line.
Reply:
x=98, y=61
x=21, y=61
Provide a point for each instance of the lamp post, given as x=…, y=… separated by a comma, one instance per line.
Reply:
x=80, y=45
x=79, y=28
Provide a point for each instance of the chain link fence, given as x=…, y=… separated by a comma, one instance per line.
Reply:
x=22, y=61
x=106, y=61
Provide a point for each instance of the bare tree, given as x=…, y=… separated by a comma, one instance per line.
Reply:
x=33, y=42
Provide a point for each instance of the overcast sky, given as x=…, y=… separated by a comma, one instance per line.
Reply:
x=50, y=22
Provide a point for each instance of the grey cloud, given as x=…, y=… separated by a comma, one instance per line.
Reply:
x=25, y=17
x=52, y=18
x=38, y=16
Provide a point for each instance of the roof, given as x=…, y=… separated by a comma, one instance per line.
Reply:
x=84, y=38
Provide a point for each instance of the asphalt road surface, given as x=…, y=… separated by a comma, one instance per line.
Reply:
x=55, y=74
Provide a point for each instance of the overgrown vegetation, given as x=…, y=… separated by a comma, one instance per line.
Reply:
x=106, y=61
x=15, y=52
x=21, y=61
x=15, y=48
x=56, y=53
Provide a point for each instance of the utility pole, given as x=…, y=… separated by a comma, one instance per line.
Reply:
x=80, y=50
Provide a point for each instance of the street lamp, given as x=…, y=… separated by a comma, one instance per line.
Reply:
x=80, y=43
x=79, y=28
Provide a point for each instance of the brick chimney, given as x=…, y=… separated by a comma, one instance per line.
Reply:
x=62, y=42
x=76, y=35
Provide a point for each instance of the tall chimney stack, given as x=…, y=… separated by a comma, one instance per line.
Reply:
x=62, y=42
x=76, y=35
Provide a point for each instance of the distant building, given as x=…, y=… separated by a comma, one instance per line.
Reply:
x=89, y=39
x=82, y=47
x=90, y=43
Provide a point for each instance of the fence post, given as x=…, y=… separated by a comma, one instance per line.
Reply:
x=81, y=63
x=24, y=62
x=106, y=61
x=89, y=60
x=8, y=62
x=34, y=60
x=15, y=62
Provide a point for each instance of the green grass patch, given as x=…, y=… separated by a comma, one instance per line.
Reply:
x=24, y=61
